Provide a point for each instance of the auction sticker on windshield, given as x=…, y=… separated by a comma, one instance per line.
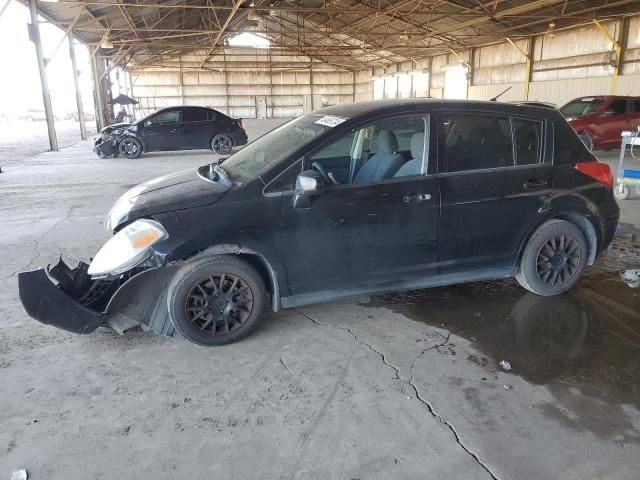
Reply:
x=330, y=121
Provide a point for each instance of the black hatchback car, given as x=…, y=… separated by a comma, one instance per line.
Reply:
x=173, y=128
x=352, y=199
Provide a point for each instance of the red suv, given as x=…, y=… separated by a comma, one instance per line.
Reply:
x=603, y=118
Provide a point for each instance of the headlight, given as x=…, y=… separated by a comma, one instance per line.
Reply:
x=127, y=248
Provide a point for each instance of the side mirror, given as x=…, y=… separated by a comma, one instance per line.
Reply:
x=308, y=184
x=148, y=123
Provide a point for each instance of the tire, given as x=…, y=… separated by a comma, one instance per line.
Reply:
x=621, y=191
x=222, y=282
x=222, y=144
x=130, y=147
x=553, y=258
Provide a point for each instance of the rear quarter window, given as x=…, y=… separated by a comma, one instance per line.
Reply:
x=567, y=146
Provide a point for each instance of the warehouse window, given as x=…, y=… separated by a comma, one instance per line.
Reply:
x=248, y=39
x=378, y=88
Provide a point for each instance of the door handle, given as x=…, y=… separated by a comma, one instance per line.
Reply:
x=173, y=130
x=416, y=197
x=533, y=184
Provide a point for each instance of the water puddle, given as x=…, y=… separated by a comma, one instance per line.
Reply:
x=587, y=339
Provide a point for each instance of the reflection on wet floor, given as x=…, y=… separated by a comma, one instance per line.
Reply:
x=587, y=339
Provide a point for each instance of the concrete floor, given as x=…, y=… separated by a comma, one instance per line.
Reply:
x=20, y=140
x=396, y=386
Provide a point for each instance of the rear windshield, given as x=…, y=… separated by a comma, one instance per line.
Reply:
x=582, y=106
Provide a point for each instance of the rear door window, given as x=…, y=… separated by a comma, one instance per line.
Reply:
x=636, y=106
x=476, y=141
x=194, y=115
x=528, y=141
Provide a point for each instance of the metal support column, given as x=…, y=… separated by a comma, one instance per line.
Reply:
x=34, y=34
x=97, y=95
x=429, y=75
x=76, y=84
x=618, y=50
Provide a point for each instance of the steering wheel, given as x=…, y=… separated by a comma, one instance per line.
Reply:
x=320, y=169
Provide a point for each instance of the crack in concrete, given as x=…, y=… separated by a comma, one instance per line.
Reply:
x=35, y=252
x=287, y=368
x=414, y=387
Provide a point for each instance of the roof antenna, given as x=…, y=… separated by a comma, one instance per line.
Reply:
x=495, y=99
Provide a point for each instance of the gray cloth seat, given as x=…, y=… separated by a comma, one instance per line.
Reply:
x=413, y=166
x=384, y=163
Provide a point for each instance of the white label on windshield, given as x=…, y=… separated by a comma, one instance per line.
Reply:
x=588, y=99
x=330, y=121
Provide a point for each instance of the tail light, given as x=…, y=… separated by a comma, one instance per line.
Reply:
x=239, y=123
x=598, y=171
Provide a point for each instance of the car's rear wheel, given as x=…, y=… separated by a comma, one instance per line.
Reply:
x=216, y=300
x=553, y=259
x=222, y=144
x=621, y=192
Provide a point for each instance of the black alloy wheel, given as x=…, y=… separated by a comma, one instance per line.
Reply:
x=216, y=300
x=222, y=144
x=130, y=147
x=558, y=260
x=553, y=258
x=219, y=304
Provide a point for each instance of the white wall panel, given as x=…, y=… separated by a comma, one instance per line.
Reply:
x=487, y=92
x=561, y=91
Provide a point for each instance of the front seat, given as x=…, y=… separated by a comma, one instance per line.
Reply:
x=413, y=166
x=384, y=163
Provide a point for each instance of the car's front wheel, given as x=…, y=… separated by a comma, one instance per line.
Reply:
x=553, y=259
x=130, y=147
x=216, y=300
x=222, y=144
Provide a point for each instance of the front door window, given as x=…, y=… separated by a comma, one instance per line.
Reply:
x=378, y=152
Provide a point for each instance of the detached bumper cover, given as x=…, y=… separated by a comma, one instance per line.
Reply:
x=48, y=304
x=79, y=304
x=105, y=145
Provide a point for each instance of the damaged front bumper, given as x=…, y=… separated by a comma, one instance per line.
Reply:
x=105, y=145
x=70, y=299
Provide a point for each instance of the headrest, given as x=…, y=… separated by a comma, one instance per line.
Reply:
x=387, y=142
x=526, y=137
x=478, y=136
x=417, y=145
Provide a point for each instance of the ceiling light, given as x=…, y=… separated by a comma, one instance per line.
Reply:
x=551, y=31
x=106, y=43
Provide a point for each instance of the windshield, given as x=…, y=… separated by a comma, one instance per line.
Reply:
x=276, y=145
x=582, y=106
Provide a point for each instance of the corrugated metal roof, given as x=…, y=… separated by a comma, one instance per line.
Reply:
x=348, y=34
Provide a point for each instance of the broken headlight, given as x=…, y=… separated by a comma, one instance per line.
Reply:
x=127, y=248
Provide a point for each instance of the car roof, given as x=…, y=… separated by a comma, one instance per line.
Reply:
x=374, y=106
x=605, y=97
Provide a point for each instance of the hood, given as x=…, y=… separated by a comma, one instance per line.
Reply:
x=114, y=126
x=177, y=191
